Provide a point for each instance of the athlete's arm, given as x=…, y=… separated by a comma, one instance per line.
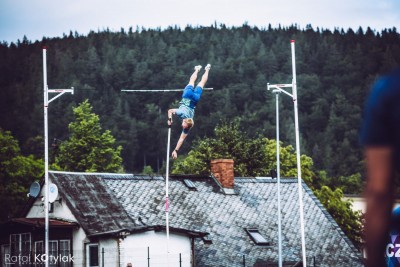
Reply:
x=178, y=145
x=170, y=113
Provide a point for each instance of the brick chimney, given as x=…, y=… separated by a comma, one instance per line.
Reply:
x=222, y=169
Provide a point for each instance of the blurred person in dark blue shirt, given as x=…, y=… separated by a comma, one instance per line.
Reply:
x=380, y=136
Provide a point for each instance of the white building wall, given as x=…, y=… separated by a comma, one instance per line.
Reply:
x=359, y=204
x=61, y=211
x=78, y=247
x=37, y=209
x=109, y=253
x=139, y=248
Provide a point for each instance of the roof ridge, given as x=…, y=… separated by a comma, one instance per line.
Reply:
x=89, y=173
x=265, y=180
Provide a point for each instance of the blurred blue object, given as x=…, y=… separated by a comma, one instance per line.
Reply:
x=393, y=247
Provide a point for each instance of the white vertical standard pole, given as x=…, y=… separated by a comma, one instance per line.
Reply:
x=296, y=122
x=46, y=101
x=46, y=158
x=166, y=189
x=278, y=175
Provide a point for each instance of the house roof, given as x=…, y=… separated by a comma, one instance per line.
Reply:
x=92, y=203
x=40, y=223
x=108, y=202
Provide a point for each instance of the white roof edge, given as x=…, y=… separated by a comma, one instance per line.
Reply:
x=92, y=173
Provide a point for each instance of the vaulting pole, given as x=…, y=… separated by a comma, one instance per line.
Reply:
x=166, y=189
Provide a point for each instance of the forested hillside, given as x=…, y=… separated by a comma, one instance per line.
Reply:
x=334, y=73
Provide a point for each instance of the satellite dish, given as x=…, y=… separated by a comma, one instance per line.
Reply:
x=34, y=190
x=53, y=193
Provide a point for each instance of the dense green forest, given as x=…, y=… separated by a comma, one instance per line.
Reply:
x=335, y=70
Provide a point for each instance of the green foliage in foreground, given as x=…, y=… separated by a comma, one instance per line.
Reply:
x=17, y=172
x=349, y=221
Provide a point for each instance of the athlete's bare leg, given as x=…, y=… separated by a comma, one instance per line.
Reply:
x=204, y=78
x=193, y=77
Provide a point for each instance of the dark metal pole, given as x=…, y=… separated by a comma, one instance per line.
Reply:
x=102, y=257
x=148, y=256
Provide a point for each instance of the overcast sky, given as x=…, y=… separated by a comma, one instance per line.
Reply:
x=53, y=18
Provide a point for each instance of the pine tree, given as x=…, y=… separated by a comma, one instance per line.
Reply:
x=88, y=148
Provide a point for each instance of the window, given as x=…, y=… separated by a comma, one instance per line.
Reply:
x=189, y=184
x=39, y=247
x=53, y=251
x=59, y=252
x=257, y=237
x=39, y=251
x=20, y=245
x=51, y=207
x=65, y=251
x=207, y=239
x=5, y=252
x=92, y=255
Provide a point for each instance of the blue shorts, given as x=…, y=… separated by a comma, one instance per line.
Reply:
x=191, y=96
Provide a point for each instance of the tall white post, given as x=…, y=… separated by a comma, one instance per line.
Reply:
x=278, y=175
x=279, y=88
x=46, y=101
x=46, y=158
x=296, y=123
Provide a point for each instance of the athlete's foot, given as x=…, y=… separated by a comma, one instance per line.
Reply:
x=208, y=67
x=198, y=67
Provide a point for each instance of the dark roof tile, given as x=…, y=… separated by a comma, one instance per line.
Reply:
x=209, y=210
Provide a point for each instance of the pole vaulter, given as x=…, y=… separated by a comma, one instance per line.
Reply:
x=190, y=97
